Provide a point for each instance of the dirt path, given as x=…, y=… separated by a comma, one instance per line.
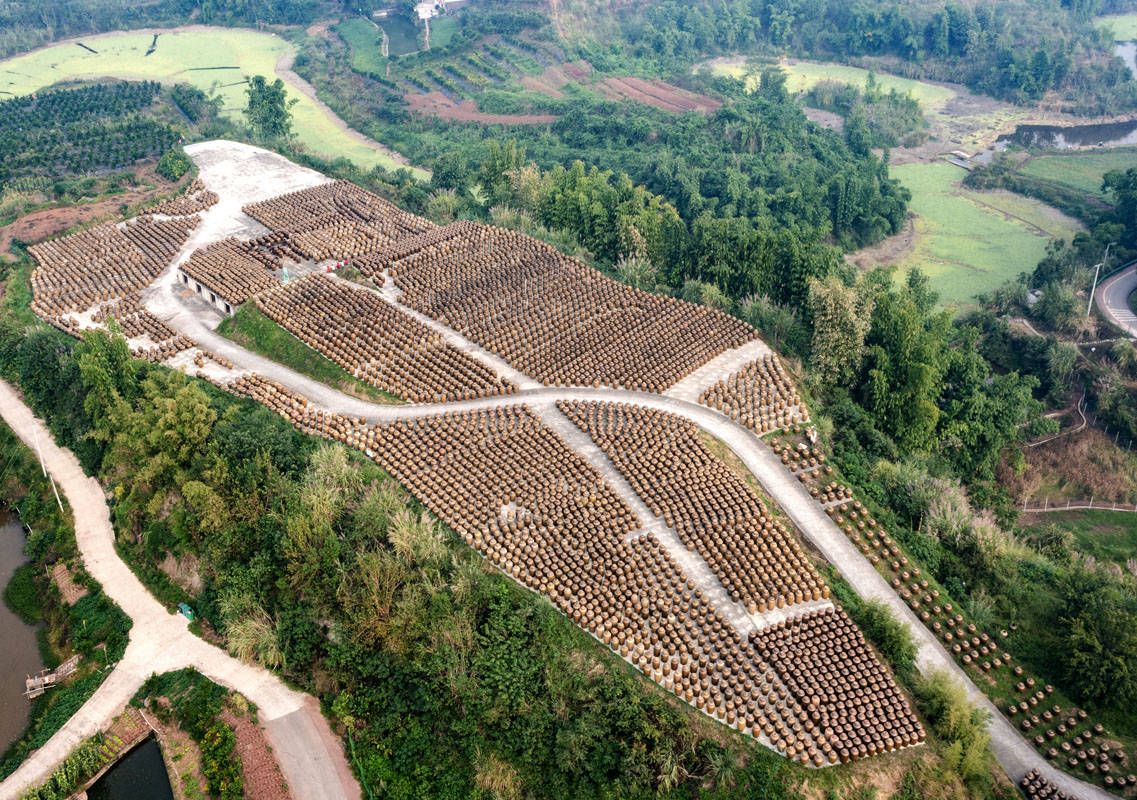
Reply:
x=285, y=73
x=313, y=764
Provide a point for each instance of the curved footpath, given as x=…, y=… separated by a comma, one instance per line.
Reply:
x=1112, y=298
x=310, y=755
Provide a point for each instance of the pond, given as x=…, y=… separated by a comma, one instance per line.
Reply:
x=1060, y=137
x=19, y=655
x=402, y=35
x=140, y=775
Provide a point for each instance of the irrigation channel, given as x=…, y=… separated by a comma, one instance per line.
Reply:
x=19, y=654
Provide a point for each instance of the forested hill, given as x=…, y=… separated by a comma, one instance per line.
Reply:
x=1018, y=51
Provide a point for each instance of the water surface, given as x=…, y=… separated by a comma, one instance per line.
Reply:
x=140, y=775
x=19, y=653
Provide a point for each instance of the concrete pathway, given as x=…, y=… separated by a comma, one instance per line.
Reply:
x=1112, y=298
x=310, y=756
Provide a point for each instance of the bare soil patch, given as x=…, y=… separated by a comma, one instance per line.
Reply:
x=887, y=252
x=441, y=106
x=48, y=222
x=657, y=93
x=71, y=591
x=556, y=77
x=263, y=780
x=826, y=119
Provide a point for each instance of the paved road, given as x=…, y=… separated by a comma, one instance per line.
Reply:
x=310, y=756
x=1112, y=297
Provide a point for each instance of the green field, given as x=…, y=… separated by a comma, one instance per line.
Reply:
x=207, y=58
x=1124, y=26
x=966, y=243
x=365, y=39
x=803, y=75
x=442, y=30
x=1105, y=535
x=1082, y=170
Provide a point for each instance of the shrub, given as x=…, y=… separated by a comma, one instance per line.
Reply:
x=174, y=164
x=891, y=636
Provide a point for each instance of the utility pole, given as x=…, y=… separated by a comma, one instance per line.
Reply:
x=1097, y=271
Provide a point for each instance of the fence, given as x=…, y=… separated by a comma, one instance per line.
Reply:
x=1079, y=505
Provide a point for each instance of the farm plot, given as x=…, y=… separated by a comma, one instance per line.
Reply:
x=656, y=93
x=965, y=244
x=365, y=39
x=550, y=316
x=1082, y=170
x=212, y=59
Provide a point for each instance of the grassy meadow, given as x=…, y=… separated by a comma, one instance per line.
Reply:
x=365, y=39
x=802, y=75
x=1105, y=535
x=971, y=242
x=1082, y=169
x=1124, y=26
x=212, y=59
x=442, y=30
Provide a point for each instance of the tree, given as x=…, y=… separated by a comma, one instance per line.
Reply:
x=841, y=316
x=269, y=108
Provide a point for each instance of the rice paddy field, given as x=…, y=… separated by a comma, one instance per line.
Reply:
x=971, y=242
x=1082, y=170
x=1124, y=26
x=365, y=39
x=804, y=75
x=209, y=58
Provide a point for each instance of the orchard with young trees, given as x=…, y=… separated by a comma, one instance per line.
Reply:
x=80, y=131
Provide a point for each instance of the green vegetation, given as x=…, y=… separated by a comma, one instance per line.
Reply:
x=81, y=765
x=943, y=700
x=76, y=131
x=1016, y=52
x=1105, y=535
x=888, y=117
x=194, y=705
x=365, y=39
x=1082, y=170
x=1123, y=27
x=803, y=76
x=251, y=329
x=965, y=245
x=442, y=30
x=269, y=109
x=22, y=595
x=174, y=164
x=214, y=61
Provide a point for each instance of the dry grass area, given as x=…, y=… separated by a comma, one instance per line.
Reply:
x=1076, y=467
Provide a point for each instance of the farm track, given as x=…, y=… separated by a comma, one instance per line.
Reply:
x=311, y=758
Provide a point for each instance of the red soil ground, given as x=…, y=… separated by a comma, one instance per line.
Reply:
x=263, y=780
x=554, y=78
x=441, y=106
x=656, y=93
x=48, y=222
